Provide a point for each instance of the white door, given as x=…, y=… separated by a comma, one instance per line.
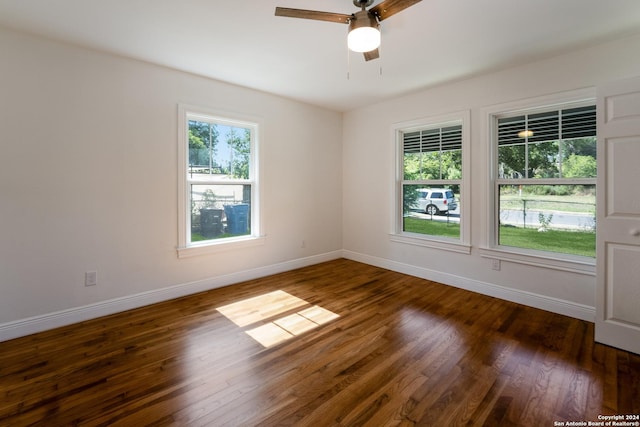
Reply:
x=618, y=217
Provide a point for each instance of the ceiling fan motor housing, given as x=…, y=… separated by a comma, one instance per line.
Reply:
x=363, y=18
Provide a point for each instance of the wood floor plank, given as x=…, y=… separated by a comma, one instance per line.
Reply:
x=400, y=351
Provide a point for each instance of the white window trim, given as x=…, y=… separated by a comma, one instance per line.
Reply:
x=397, y=234
x=489, y=247
x=184, y=248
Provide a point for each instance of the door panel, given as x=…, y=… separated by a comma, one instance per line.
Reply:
x=623, y=291
x=623, y=106
x=618, y=218
x=623, y=173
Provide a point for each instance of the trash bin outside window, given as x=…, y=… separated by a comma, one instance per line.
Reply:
x=210, y=222
x=237, y=218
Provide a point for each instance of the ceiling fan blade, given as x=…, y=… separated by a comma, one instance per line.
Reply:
x=390, y=7
x=313, y=14
x=372, y=54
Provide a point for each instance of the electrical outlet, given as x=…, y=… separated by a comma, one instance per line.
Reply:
x=495, y=264
x=91, y=278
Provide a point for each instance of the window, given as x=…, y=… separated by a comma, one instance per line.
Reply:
x=218, y=180
x=430, y=174
x=546, y=179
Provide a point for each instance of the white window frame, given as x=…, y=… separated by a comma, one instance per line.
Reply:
x=397, y=234
x=490, y=248
x=186, y=248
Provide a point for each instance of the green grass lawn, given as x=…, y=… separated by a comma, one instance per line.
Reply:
x=569, y=242
x=197, y=237
x=434, y=228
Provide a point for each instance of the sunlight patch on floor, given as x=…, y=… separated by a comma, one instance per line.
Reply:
x=272, y=305
x=269, y=334
x=295, y=324
x=266, y=306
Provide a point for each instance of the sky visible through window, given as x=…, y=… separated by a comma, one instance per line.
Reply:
x=221, y=135
x=224, y=149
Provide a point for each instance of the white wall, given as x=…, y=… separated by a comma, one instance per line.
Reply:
x=88, y=181
x=369, y=174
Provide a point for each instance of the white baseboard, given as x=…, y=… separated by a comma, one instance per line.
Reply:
x=530, y=299
x=28, y=326
x=32, y=325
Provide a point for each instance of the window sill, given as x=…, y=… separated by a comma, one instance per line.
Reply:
x=446, y=245
x=562, y=262
x=220, y=246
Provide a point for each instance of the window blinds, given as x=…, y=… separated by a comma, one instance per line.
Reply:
x=569, y=123
x=439, y=139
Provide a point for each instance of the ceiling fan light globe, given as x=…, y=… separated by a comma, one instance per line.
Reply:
x=363, y=39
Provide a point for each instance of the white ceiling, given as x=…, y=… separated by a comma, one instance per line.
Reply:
x=432, y=42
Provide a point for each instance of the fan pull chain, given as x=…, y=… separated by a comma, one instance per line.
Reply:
x=349, y=66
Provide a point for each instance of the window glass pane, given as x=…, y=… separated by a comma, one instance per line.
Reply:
x=433, y=153
x=216, y=149
x=543, y=160
x=432, y=211
x=217, y=183
x=452, y=164
x=219, y=211
x=433, y=165
x=419, y=166
x=579, y=158
x=558, y=145
x=511, y=161
x=432, y=176
x=555, y=218
x=412, y=166
x=430, y=165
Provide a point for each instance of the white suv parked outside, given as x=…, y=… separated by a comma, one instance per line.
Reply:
x=435, y=200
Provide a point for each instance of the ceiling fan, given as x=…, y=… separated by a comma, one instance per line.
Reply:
x=364, y=34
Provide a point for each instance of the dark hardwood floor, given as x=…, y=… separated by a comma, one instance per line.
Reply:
x=402, y=351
